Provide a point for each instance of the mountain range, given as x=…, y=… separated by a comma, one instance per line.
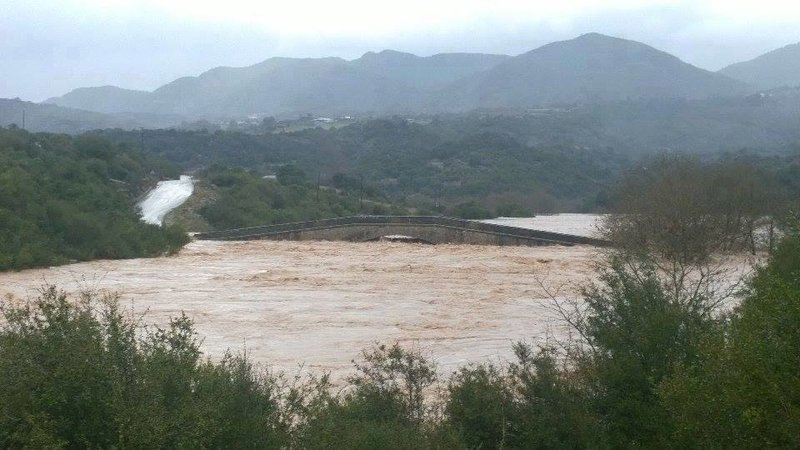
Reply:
x=588, y=69
x=58, y=119
x=776, y=69
x=382, y=82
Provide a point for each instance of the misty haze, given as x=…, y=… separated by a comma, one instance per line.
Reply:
x=379, y=225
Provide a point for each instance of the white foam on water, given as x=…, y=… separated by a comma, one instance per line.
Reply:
x=165, y=197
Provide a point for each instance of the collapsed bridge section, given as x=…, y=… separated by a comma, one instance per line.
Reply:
x=434, y=230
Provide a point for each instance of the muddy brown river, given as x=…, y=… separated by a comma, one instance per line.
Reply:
x=317, y=304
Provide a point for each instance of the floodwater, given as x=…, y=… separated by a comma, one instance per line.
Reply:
x=317, y=304
x=577, y=224
x=166, y=196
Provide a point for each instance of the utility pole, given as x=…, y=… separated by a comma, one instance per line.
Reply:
x=361, y=195
x=318, y=177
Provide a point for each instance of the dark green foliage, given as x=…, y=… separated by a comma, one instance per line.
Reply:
x=290, y=174
x=383, y=406
x=64, y=199
x=78, y=373
x=397, y=376
x=344, y=181
x=248, y=200
x=552, y=409
x=449, y=159
x=480, y=405
x=471, y=210
x=532, y=404
x=638, y=332
x=553, y=161
x=745, y=391
x=645, y=372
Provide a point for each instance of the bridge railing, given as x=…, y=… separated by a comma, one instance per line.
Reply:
x=449, y=222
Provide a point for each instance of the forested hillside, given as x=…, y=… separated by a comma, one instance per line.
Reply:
x=244, y=199
x=424, y=163
x=539, y=161
x=64, y=199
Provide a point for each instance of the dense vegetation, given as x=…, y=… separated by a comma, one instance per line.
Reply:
x=681, y=207
x=650, y=366
x=426, y=164
x=64, y=199
x=533, y=162
x=244, y=199
x=743, y=389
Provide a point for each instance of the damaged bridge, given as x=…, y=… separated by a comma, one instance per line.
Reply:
x=432, y=230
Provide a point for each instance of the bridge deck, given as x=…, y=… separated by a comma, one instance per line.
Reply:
x=427, y=228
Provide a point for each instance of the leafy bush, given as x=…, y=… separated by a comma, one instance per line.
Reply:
x=384, y=406
x=471, y=210
x=291, y=174
x=78, y=373
x=638, y=332
x=745, y=390
x=530, y=404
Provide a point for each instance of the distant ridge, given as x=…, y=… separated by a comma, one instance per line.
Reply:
x=589, y=68
x=383, y=82
x=778, y=68
x=104, y=99
x=426, y=72
x=39, y=117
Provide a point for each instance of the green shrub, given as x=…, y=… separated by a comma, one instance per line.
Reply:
x=78, y=373
x=383, y=406
x=471, y=210
x=530, y=404
x=745, y=389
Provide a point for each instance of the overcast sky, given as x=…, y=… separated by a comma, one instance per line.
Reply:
x=50, y=47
